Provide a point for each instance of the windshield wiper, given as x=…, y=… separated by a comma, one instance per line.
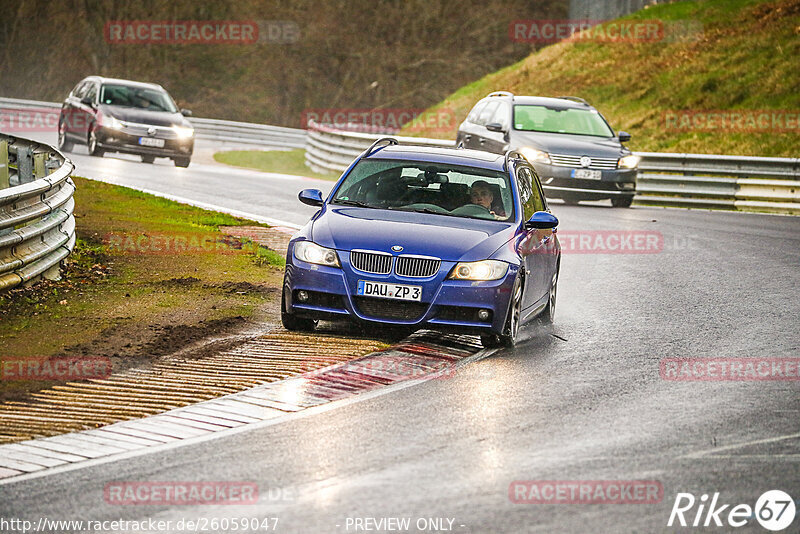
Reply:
x=422, y=210
x=348, y=202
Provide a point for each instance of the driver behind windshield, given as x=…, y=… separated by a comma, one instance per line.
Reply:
x=481, y=194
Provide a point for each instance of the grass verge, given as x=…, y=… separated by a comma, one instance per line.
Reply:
x=148, y=276
x=279, y=161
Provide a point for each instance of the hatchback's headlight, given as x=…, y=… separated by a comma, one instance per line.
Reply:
x=628, y=162
x=183, y=132
x=310, y=252
x=479, y=270
x=111, y=122
x=534, y=155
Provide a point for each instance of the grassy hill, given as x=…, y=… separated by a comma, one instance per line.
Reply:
x=746, y=58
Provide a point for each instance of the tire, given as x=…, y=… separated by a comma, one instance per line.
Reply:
x=148, y=159
x=570, y=201
x=182, y=162
x=622, y=201
x=63, y=144
x=509, y=336
x=91, y=143
x=292, y=322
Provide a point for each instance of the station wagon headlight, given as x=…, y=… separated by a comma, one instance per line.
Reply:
x=534, y=155
x=183, y=132
x=628, y=162
x=479, y=270
x=310, y=252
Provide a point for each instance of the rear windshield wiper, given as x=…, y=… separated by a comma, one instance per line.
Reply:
x=348, y=202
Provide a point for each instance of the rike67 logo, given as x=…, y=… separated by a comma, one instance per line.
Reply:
x=774, y=510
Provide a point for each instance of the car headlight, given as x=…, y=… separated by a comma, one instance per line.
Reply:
x=110, y=122
x=534, y=155
x=183, y=132
x=310, y=252
x=479, y=270
x=628, y=162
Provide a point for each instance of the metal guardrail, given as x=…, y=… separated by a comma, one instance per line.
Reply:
x=681, y=180
x=45, y=115
x=37, y=226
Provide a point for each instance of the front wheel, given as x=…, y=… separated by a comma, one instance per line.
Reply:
x=509, y=336
x=182, y=162
x=148, y=159
x=622, y=201
x=94, y=149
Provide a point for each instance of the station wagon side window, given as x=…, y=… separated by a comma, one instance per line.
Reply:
x=80, y=89
x=91, y=93
x=475, y=113
x=486, y=113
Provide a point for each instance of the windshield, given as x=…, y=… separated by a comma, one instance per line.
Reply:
x=136, y=97
x=428, y=188
x=567, y=121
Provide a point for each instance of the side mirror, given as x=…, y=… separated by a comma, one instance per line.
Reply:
x=86, y=101
x=495, y=127
x=186, y=112
x=624, y=137
x=541, y=219
x=312, y=197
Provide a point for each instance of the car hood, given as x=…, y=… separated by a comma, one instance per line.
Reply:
x=582, y=145
x=448, y=238
x=143, y=116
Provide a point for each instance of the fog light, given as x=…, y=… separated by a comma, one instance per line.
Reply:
x=484, y=315
x=302, y=296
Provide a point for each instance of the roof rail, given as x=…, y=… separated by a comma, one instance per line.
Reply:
x=500, y=93
x=509, y=155
x=575, y=99
x=390, y=141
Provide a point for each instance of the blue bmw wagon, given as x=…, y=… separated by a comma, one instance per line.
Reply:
x=448, y=239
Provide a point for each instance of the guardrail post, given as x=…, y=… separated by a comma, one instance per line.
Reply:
x=24, y=164
x=4, y=165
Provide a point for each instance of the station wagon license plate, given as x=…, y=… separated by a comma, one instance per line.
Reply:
x=586, y=174
x=151, y=141
x=389, y=291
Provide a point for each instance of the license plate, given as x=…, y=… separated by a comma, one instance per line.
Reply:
x=151, y=141
x=389, y=291
x=586, y=174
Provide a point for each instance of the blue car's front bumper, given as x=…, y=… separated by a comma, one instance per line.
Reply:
x=446, y=304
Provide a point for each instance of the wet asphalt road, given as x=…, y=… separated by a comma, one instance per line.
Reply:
x=583, y=402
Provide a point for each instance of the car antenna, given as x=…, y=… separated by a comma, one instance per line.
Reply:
x=575, y=99
x=389, y=141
